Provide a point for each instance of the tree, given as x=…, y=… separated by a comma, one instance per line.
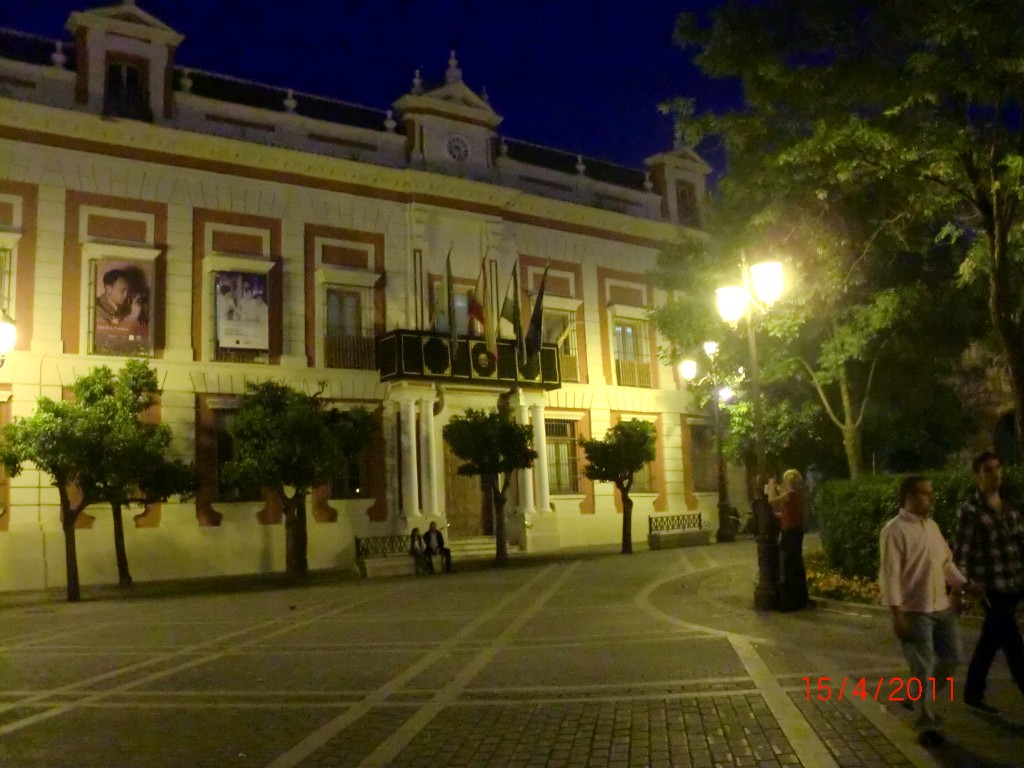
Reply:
x=626, y=448
x=493, y=447
x=285, y=439
x=96, y=449
x=885, y=90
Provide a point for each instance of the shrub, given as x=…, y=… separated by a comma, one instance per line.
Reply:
x=851, y=513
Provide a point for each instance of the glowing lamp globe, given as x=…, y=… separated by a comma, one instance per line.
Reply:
x=688, y=369
x=710, y=348
x=767, y=280
x=731, y=301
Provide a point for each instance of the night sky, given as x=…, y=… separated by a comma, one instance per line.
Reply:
x=580, y=75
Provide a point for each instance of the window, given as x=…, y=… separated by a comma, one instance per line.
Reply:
x=349, y=342
x=563, y=456
x=632, y=362
x=643, y=482
x=686, y=204
x=6, y=273
x=127, y=90
x=560, y=329
x=703, y=458
x=226, y=452
x=352, y=479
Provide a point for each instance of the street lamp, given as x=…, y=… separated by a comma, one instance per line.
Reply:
x=688, y=370
x=761, y=287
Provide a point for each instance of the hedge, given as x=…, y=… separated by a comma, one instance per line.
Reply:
x=851, y=513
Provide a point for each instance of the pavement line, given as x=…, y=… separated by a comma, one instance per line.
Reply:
x=887, y=724
x=193, y=662
x=809, y=748
x=332, y=728
x=387, y=750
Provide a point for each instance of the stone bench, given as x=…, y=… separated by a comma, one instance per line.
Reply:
x=667, y=531
x=387, y=556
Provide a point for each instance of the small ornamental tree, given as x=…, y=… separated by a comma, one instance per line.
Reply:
x=96, y=450
x=493, y=447
x=626, y=448
x=285, y=440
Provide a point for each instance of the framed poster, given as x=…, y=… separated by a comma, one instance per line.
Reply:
x=243, y=315
x=123, y=311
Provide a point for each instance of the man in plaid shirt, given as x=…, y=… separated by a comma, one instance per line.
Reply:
x=989, y=549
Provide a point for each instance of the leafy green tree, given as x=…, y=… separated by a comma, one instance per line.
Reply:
x=287, y=443
x=623, y=452
x=96, y=449
x=493, y=447
x=856, y=93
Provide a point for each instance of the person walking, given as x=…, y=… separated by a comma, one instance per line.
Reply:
x=789, y=508
x=989, y=548
x=915, y=566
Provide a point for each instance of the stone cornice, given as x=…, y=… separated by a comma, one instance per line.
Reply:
x=39, y=124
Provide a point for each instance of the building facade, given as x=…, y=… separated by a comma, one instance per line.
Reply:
x=234, y=232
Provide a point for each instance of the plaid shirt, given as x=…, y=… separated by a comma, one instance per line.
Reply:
x=989, y=545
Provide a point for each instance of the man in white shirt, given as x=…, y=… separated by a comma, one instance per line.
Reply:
x=916, y=565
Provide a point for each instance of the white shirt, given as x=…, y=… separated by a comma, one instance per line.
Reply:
x=916, y=565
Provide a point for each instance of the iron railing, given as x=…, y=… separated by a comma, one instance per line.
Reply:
x=381, y=546
x=666, y=523
x=350, y=352
x=633, y=373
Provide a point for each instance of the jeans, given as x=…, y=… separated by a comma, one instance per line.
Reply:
x=999, y=630
x=932, y=650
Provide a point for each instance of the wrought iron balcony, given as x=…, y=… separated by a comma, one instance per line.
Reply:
x=430, y=356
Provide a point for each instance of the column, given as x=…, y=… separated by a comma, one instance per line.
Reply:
x=540, y=445
x=410, y=463
x=428, y=457
x=525, y=475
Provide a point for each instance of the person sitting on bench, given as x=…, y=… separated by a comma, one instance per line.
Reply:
x=435, y=546
x=418, y=552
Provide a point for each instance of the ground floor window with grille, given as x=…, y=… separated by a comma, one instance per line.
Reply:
x=703, y=458
x=632, y=357
x=643, y=482
x=563, y=456
x=351, y=481
x=349, y=341
x=560, y=329
x=225, y=453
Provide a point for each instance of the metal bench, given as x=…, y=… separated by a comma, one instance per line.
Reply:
x=667, y=531
x=387, y=556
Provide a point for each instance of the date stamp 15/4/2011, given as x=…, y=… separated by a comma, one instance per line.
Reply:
x=894, y=689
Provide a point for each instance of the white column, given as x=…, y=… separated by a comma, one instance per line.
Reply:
x=525, y=475
x=410, y=464
x=540, y=445
x=428, y=457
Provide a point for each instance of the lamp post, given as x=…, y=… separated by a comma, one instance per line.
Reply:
x=688, y=370
x=760, y=288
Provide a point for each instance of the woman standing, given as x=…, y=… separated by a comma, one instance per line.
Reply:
x=789, y=504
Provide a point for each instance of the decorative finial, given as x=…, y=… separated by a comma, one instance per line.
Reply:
x=648, y=184
x=454, y=74
x=389, y=122
x=581, y=167
x=289, y=101
x=417, y=83
x=186, y=81
x=58, y=57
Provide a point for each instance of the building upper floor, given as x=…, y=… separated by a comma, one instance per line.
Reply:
x=121, y=63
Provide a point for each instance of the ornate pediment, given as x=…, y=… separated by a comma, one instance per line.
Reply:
x=127, y=18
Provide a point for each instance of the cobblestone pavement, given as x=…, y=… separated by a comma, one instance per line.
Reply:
x=651, y=660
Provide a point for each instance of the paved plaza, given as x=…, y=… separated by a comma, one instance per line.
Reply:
x=600, y=660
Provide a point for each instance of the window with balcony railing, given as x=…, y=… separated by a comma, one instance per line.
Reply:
x=632, y=356
x=563, y=456
x=349, y=341
x=560, y=329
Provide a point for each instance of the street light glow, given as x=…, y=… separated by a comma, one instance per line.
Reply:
x=732, y=302
x=710, y=348
x=8, y=334
x=725, y=394
x=688, y=369
x=767, y=279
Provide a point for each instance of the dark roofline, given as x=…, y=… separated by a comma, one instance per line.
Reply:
x=565, y=162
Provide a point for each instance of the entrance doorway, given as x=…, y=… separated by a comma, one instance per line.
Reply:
x=469, y=510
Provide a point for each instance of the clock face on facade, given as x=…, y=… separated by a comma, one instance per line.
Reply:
x=457, y=149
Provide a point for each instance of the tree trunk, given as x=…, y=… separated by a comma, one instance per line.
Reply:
x=627, y=522
x=850, y=428
x=500, y=533
x=67, y=523
x=296, y=562
x=124, y=578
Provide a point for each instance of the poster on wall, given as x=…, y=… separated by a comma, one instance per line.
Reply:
x=122, y=320
x=243, y=316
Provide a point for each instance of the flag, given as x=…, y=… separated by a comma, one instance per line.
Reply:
x=490, y=321
x=475, y=320
x=536, y=330
x=510, y=311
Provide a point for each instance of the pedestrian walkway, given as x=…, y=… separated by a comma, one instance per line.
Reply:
x=650, y=660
